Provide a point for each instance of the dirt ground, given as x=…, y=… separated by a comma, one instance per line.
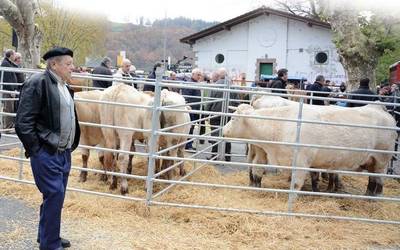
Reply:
x=94, y=222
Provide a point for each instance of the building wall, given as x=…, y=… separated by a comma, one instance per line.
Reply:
x=292, y=43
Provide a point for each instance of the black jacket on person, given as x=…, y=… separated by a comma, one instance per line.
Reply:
x=10, y=77
x=20, y=77
x=217, y=106
x=316, y=86
x=102, y=70
x=362, y=90
x=279, y=83
x=192, y=95
x=38, y=117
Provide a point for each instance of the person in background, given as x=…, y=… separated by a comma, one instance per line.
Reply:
x=124, y=73
x=103, y=69
x=318, y=86
x=152, y=75
x=18, y=64
x=280, y=82
x=341, y=93
x=20, y=77
x=363, y=93
x=11, y=78
x=217, y=107
x=172, y=77
x=193, y=96
x=48, y=128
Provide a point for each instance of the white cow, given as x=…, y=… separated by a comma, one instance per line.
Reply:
x=326, y=135
x=172, y=118
x=131, y=117
x=90, y=135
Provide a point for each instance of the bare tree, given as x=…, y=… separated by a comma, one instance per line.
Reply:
x=20, y=14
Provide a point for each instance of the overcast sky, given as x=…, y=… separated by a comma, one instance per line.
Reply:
x=209, y=10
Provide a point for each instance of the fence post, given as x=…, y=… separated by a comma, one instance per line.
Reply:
x=199, y=126
x=153, y=143
x=295, y=153
x=225, y=110
x=21, y=163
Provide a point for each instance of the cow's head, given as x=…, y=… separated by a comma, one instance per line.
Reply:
x=236, y=127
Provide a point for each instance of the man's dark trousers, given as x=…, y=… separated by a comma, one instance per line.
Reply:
x=51, y=173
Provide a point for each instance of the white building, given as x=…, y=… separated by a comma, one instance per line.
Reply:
x=263, y=41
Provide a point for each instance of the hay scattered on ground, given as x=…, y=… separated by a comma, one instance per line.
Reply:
x=95, y=222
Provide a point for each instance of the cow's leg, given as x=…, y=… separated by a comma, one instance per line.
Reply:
x=164, y=165
x=338, y=183
x=250, y=158
x=259, y=157
x=126, y=143
x=375, y=184
x=182, y=171
x=251, y=177
x=371, y=186
x=331, y=183
x=300, y=177
x=131, y=157
x=113, y=168
x=85, y=157
x=103, y=177
x=334, y=183
x=169, y=163
x=314, y=181
x=325, y=176
x=258, y=173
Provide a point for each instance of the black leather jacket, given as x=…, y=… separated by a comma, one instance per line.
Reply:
x=38, y=116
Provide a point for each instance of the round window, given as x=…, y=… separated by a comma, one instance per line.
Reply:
x=321, y=57
x=219, y=58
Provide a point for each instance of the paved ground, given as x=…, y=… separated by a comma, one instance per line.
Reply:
x=16, y=218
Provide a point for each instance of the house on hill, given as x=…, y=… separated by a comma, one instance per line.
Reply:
x=264, y=40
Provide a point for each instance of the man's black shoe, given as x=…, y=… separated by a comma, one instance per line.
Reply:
x=64, y=243
x=227, y=158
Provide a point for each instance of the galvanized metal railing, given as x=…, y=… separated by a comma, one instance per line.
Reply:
x=154, y=153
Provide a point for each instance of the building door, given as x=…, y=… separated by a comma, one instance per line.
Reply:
x=266, y=68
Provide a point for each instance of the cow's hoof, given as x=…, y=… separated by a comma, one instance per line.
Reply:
x=182, y=172
x=124, y=191
x=83, y=177
x=113, y=186
x=103, y=177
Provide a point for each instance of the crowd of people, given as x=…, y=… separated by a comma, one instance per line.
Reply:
x=47, y=125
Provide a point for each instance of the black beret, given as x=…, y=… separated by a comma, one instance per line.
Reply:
x=58, y=51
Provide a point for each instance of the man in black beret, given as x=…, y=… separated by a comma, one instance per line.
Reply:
x=48, y=127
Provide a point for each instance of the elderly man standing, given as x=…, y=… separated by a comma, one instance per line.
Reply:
x=217, y=107
x=125, y=73
x=48, y=128
x=192, y=96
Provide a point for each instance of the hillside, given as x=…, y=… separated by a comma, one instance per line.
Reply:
x=144, y=44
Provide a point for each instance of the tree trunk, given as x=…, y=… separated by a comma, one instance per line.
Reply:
x=358, y=55
x=30, y=48
x=21, y=16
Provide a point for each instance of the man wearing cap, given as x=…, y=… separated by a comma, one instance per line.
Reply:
x=47, y=125
x=103, y=69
